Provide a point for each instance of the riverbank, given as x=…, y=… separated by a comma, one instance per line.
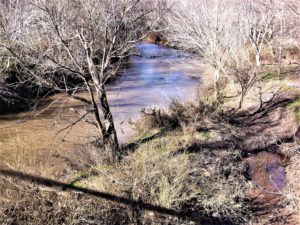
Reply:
x=203, y=167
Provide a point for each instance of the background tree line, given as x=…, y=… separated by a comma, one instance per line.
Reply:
x=231, y=36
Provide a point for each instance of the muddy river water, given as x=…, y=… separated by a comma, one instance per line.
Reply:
x=150, y=79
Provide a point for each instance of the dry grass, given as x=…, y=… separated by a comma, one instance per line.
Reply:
x=25, y=156
x=292, y=192
x=182, y=116
x=146, y=174
x=269, y=85
x=186, y=182
x=47, y=206
x=291, y=53
x=207, y=185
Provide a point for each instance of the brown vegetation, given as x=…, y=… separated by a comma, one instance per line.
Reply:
x=227, y=159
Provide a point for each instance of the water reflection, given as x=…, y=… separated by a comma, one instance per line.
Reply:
x=151, y=79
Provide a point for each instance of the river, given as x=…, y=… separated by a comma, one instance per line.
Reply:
x=149, y=79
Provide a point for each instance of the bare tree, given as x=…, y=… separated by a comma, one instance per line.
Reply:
x=226, y=34
x=257, y=23
x=10, y=26
x=86, y=40
x=206, y=28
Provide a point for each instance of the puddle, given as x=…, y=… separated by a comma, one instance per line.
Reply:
x=268, y=177
x=267, y=172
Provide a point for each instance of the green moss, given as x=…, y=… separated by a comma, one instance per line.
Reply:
x=81, y=175
x=204, y=136
x=76, y=184
x=142, y=135
x=271, y=75
x=295, y=103
x=297, y=116
x=273, y=72
x=295, y=107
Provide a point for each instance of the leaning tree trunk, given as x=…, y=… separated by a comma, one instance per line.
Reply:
x=107, y=127
x=109, y=133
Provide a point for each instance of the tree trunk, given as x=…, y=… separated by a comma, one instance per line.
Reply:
x=257, y=59
x=109, y=133
x=108, y=130
x=242, y=96
x=216, y=83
